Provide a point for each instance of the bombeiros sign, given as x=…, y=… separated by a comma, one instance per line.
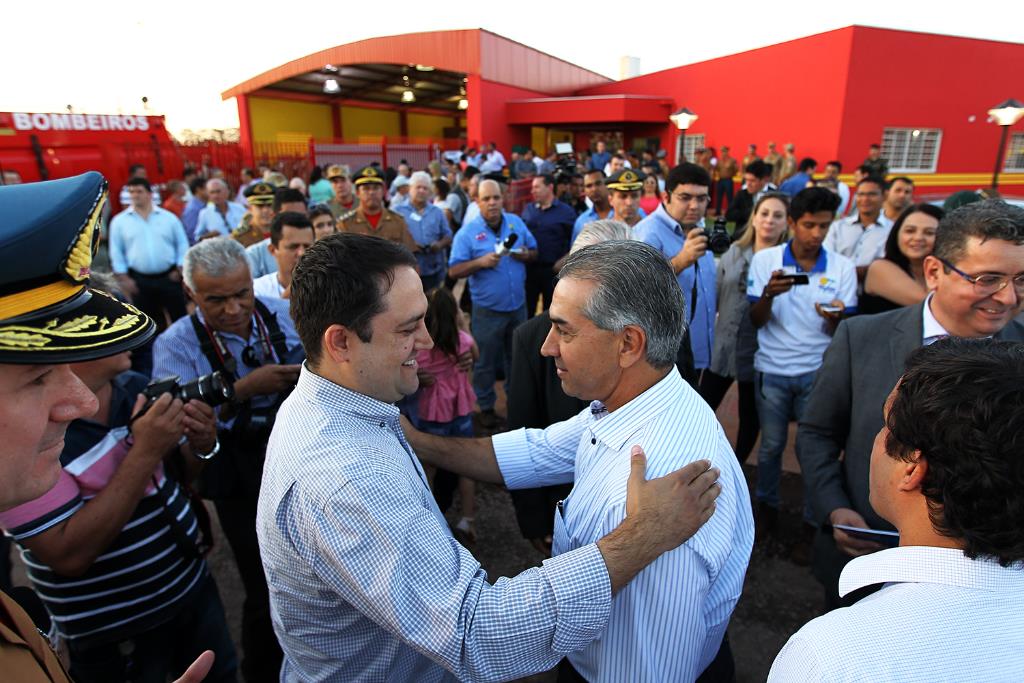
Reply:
x=94, y=122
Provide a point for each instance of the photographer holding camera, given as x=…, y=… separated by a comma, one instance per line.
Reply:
x=675, y=229
x=253, y=342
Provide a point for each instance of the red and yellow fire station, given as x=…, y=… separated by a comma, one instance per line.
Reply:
x=924, y=98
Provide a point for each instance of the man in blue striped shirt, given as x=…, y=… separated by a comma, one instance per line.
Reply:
x=366, y=581
x=618, y=348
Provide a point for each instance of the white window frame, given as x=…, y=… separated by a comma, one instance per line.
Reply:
x=1014, y=162
x=890, y=155
x=691, y=143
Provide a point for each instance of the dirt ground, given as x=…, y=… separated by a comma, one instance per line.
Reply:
x=778, y=596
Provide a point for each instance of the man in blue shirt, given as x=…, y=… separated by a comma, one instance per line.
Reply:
x=675, y=230
x=367, y=581
x=429, y=229
x=600, y=158
x=252, y=340
x=147, y=247
x=221, y=216
x=600, y=208
x=190, y=216
x=804, y=175
x=617, y=350
x=550, y=220
x=497, y=281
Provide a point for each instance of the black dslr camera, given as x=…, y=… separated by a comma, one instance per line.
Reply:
x=213, y=389
x=718, y=237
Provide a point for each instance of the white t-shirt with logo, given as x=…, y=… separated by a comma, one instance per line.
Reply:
x=794, y=339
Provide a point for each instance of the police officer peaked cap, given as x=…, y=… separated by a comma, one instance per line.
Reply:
x=369, y=174
x=49, y=233
x=626, y=180
x=260, y=194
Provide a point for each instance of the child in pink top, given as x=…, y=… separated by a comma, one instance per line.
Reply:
x=446, y=398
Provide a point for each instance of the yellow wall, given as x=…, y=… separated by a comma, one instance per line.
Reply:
x=286, y=121
x=428, y=125
x=359, y=122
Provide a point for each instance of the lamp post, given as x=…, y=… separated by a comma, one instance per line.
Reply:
x=1005, y=114
x=683, y=119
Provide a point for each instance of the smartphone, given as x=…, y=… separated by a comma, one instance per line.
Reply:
x=831, y=309
x=797, y=278
x=886, y=538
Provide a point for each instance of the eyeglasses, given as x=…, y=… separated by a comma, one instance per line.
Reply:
x=988, y=284
x=687, y=198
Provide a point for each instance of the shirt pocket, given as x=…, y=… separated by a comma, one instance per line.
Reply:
x=560, y=541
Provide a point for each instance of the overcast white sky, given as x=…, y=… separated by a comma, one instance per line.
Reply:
x=181, y=55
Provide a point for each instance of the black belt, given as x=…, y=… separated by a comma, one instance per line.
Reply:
x=153, y=276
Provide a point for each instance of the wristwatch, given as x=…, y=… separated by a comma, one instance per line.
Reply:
x=214, y=451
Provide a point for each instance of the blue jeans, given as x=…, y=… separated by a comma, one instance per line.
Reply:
x=779, y=399
x=492, y=331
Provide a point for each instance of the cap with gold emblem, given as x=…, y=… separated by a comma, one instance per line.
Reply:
x=369, y=174
x=336, y=171
x=626, y=180
x=49, y=233
x=260, y=194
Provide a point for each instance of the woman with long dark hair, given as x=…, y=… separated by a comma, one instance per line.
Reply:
x=897, y=279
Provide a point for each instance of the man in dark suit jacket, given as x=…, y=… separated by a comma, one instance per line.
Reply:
x=976, y=279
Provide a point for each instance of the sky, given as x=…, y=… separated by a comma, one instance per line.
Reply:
x=182, y=55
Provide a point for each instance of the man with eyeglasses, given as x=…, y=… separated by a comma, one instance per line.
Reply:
x=861, y=236
x=251, y=339
x=976, y=281
x=676, y=229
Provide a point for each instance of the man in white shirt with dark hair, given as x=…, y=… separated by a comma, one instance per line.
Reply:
x=291, y=234
x=946, y=471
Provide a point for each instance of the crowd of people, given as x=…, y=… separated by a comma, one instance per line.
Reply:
x=322, y=359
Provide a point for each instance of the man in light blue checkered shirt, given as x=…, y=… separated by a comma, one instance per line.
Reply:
x=366, y=581
x=618, y=347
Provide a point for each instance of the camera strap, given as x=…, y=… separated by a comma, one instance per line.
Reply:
x=216, y=351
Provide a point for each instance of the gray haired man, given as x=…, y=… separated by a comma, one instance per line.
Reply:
x=618, y=350
x=252, y=340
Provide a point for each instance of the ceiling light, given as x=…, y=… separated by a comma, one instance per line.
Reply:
x=331, y=86
x=330, y=67
x=408, y=96
x=463, y=103
x=424, y=67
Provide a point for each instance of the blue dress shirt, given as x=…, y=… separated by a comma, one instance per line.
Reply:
x=366, y=581
x=598, y=160
x=590, y=215
x=148, y=245
x=190, y=217
x=176, y=351
x=794, y=184
x=502, y=288
x=212, y=220
x=663, y=233
x=261, y=262
x=429, y=225
x=551, y=227
x=667, y=623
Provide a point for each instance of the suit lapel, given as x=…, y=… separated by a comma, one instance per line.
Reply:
x=907, y=335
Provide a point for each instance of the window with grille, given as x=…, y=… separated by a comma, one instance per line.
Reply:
x=691, y=143
x=911, y=149
x=1015, y=153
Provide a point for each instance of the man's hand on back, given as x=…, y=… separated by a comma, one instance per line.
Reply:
x=661, y=514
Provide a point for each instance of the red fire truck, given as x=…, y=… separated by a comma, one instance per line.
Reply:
x=45, y=146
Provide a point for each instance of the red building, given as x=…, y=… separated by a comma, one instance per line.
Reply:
x=923, y=97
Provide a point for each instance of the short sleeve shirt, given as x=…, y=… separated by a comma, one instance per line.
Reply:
x=794, y=339
x=502, y=288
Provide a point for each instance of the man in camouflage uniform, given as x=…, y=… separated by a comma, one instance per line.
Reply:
x=345, y=201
